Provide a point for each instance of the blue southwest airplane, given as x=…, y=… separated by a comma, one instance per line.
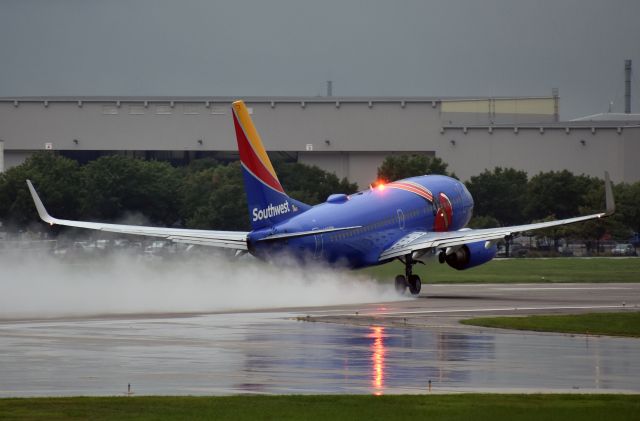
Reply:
x=412, y=220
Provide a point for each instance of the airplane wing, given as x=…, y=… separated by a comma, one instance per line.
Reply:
x=418, y=241
x=227, y=239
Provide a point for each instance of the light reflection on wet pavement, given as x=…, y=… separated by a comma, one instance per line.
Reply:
x=271, y=353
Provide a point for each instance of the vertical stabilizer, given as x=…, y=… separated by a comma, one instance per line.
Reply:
x=268, y=203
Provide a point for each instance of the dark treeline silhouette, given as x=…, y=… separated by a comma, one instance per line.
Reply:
x=209, y=194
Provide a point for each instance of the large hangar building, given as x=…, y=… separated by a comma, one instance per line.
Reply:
x=346, y=135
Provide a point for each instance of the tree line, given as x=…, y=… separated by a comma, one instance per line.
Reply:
x=205, y=194
x=209, y=194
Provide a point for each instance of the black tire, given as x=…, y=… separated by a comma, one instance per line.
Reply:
x=414, y=284
x=401, y=284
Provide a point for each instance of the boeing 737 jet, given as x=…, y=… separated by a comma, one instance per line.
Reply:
x=411, y=220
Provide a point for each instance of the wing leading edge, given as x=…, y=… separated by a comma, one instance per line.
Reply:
x=420, y=241
x=227, y=239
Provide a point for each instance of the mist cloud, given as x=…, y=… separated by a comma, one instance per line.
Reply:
x=45, y=286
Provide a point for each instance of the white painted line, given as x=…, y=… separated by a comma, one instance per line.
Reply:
x=559, y=288
x=484, y=310
x=353, y=310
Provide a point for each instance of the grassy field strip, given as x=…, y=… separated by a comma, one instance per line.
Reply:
x=521, y=271
x=613, y=324
x=490, y=407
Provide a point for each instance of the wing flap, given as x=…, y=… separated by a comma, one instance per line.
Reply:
x=428, y=240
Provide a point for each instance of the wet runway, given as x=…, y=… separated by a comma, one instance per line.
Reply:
x=385, y=348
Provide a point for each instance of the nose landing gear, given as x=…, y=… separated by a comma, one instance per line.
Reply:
x=409, y=280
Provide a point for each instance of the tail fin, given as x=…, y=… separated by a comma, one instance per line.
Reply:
x=268, y=203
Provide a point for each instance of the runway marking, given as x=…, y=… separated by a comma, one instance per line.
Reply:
x=558, y=288
x=484, y=310
x=341, y=310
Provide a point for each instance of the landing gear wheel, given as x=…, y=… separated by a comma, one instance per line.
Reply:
x=414, y=284
x=401, y=284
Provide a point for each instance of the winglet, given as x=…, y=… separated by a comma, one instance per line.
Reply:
x=44, y=215
x=608, y=195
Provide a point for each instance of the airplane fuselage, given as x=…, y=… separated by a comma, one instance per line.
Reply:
x=383, y=214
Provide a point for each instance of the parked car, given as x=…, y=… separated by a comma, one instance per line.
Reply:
x=635, y=239
x=624, y=250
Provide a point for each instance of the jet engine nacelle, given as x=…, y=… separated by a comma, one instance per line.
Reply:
x=471, y=255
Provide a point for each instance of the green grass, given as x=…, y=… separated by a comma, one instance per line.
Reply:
x=521, y=271
x=615, y=324
x=493, y=407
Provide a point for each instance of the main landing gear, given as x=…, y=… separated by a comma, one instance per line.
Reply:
x=409, y=279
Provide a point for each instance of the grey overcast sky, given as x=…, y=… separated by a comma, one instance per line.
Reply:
x=291, y=47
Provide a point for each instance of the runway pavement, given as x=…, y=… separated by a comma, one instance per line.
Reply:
x=441, y=306
x=376, y=348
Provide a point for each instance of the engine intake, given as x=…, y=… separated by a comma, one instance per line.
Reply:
x=471, y=255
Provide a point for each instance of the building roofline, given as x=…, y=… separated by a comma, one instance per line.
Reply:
x=561, y=125
x=259, y=99
x=609, y=117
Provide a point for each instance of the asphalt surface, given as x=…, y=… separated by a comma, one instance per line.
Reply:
x=441, y=306
x=381, y=348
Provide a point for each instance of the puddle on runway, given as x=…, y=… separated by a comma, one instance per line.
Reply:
x=266, y=353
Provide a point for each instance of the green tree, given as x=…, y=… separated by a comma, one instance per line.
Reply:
x=627, y=198
x=592, y=201
x=500, y=194
x=397, y=167
x=214, y=198
x=615, y=225
x=118, y=184
x=310, y=184
x=558, y=194
x=202, y=164
x=480, y=221
x=57, y=180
